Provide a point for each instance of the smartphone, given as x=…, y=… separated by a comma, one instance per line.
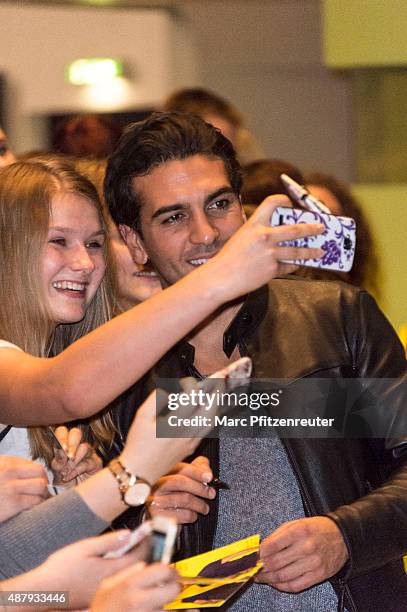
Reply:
x=338, y=241
x=164, y=531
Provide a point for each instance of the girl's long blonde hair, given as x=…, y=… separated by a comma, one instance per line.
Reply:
x=26, y=192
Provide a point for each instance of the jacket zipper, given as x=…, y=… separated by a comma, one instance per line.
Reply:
x=311, y=511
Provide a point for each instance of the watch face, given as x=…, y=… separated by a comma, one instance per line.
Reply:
x=137, y=494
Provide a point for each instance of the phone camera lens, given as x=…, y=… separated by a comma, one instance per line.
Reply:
x=347, y=244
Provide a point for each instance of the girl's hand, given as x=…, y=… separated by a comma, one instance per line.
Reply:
x=80, y=567
x=150, y=457
x=78, y=461
x=139, y=588
x=23, y=484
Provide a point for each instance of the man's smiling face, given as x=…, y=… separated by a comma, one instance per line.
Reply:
x=189, y=211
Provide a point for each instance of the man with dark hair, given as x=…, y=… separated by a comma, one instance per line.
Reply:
x=161, y=138
x=331, y=512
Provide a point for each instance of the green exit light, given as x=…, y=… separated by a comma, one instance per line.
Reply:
x=94, y=70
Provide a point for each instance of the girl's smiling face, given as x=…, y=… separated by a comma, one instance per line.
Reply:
x=74, y=261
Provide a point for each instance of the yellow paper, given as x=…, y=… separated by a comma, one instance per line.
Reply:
x=230, y=567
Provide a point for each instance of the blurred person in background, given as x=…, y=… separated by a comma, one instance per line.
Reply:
x=220, y=113
x=261, y=178
x=86, y=135
x=136, y=281
x=337, y=196
x=6, y=156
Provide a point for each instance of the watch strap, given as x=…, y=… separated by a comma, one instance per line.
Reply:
x=125, y=478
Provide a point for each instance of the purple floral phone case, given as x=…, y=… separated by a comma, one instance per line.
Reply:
x=338, y=241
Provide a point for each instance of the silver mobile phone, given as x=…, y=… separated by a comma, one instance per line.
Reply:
x=164, y=531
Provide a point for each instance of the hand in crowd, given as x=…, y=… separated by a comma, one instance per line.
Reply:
x=137, y=589
x=183, y=493
x=255, y=252
x=148, y=455
x=79, y=569
x=82, y=458
x=23, y=484
x=302, y=553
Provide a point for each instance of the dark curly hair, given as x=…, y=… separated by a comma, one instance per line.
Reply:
x=149, y=143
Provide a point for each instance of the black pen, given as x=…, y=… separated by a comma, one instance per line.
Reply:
x=217, y=483
x=301, y=195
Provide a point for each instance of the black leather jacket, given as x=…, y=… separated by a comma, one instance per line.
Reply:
x=298, y=328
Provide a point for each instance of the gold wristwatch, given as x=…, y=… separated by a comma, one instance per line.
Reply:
x=133, y=489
